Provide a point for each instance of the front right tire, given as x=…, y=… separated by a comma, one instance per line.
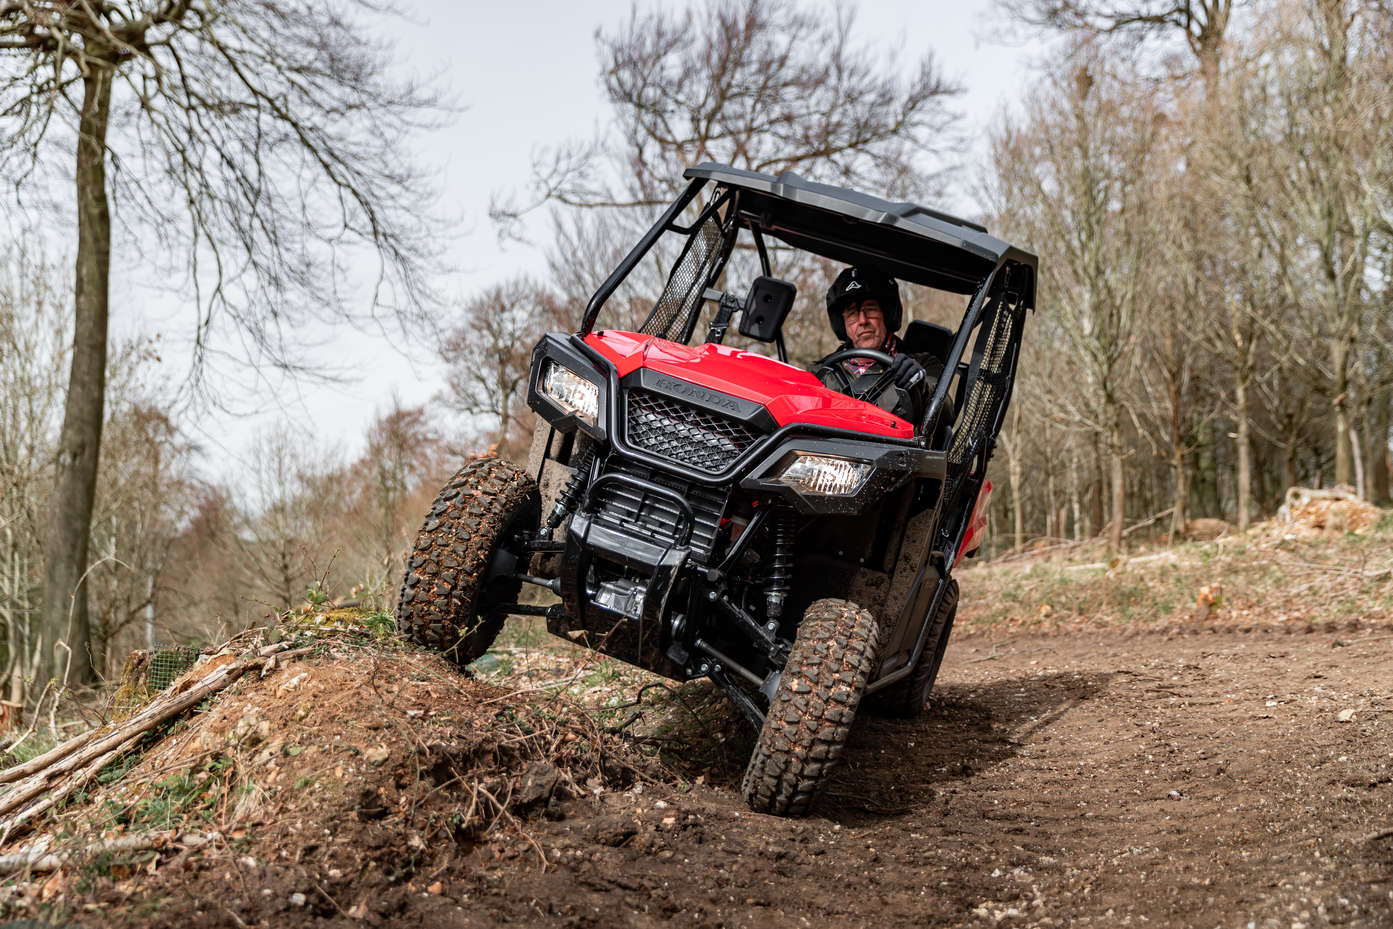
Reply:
x=809, y=719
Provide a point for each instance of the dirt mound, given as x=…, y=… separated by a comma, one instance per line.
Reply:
x=347, y=783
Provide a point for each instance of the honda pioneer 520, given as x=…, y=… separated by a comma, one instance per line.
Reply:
x=709, y=511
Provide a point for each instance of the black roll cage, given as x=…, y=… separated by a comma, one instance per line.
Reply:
x=958, y=239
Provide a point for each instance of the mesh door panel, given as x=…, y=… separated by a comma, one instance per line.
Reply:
x=985, y=395
x=680, y=300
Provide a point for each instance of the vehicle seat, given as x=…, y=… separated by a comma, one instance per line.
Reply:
x=922, y=337
x=925, y=338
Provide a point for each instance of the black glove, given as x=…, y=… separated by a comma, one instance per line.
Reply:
x=906, y=371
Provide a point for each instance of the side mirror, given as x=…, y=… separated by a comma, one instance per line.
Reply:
x=766, y=307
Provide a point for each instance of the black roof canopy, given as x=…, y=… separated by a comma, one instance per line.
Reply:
x=911, y=242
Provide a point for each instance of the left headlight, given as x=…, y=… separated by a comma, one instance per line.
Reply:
x=828, y=475
x=571, y=392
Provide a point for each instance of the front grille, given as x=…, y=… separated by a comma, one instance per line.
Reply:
x=657, y=518
x=685, y=434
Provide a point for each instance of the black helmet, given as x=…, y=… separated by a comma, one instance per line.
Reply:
x=856, y=284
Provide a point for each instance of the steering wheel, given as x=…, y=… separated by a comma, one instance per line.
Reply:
x=833, y=363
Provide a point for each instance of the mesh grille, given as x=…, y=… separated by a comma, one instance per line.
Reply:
x=681, y=298
x=684, y=434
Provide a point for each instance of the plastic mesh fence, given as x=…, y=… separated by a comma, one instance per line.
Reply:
x=168, y=662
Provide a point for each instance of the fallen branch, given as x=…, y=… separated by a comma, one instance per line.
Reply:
x=38, y=860
x=53, y=776
x=1148, y=521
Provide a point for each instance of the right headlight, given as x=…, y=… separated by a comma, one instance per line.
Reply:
x=828, y=475
x=569, y=391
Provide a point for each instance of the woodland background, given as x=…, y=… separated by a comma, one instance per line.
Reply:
x=1208, y=185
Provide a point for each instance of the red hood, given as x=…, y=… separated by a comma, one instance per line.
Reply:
x=791, y=394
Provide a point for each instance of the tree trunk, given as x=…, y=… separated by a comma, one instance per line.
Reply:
x=63, y=616
x=1017, y=510
x=1074, y=493
x=1378, y=440
x=1179, y=475
x=1119, y=490
x=1288, y=463
x=1100, y=492
x=1360, y=490
x=1014, y=475
x=1339, y=366
x=1245, y=454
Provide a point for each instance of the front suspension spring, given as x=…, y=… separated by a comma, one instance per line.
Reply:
x=780, y=564
x=570, y=494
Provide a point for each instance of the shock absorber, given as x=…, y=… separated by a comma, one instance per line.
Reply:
x=780, y=564
x=570, y=494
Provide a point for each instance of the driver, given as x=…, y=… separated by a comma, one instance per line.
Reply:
x=863, y=307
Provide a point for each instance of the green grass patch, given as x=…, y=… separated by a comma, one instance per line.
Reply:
x=29, y=749
x=192, y=796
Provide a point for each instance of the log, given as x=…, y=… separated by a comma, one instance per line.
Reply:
x=37, y=860
x=58, y=752
x=80, y=759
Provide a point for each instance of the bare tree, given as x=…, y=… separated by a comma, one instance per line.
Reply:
x=760, y=84
x=488, y=351
x=34, y=332
x=1202, y=23
x=145, y=487
x=1321, y=105
x=1076, y=178
x=402, y=456
x=280, y=540
x=259, y=140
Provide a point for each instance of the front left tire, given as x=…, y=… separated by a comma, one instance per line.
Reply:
x=453, y=598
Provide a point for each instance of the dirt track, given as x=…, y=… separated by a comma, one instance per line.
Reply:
x=1074, y=780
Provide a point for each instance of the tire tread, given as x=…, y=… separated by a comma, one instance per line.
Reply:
x=810, y=718
x=437, y=606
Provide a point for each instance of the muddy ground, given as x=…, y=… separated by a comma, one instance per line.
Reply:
x=1219, y=779
x=1222, y=779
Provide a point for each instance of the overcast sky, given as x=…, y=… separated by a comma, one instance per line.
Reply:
x=525, y=75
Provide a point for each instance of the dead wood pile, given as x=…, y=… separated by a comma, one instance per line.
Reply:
x=45, y=781
x=1334, y=509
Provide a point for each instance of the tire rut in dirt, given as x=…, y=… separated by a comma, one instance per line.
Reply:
x=810, y=717
x=445, y=603
x=909, y=698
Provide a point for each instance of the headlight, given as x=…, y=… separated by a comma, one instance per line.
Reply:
x=824, y=474
x=570, y=391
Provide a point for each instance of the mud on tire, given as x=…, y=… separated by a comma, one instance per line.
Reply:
x=810, y=717
x=447, y=601
x=908, y=698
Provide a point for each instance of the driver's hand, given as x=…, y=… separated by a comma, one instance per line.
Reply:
x=906, y=371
